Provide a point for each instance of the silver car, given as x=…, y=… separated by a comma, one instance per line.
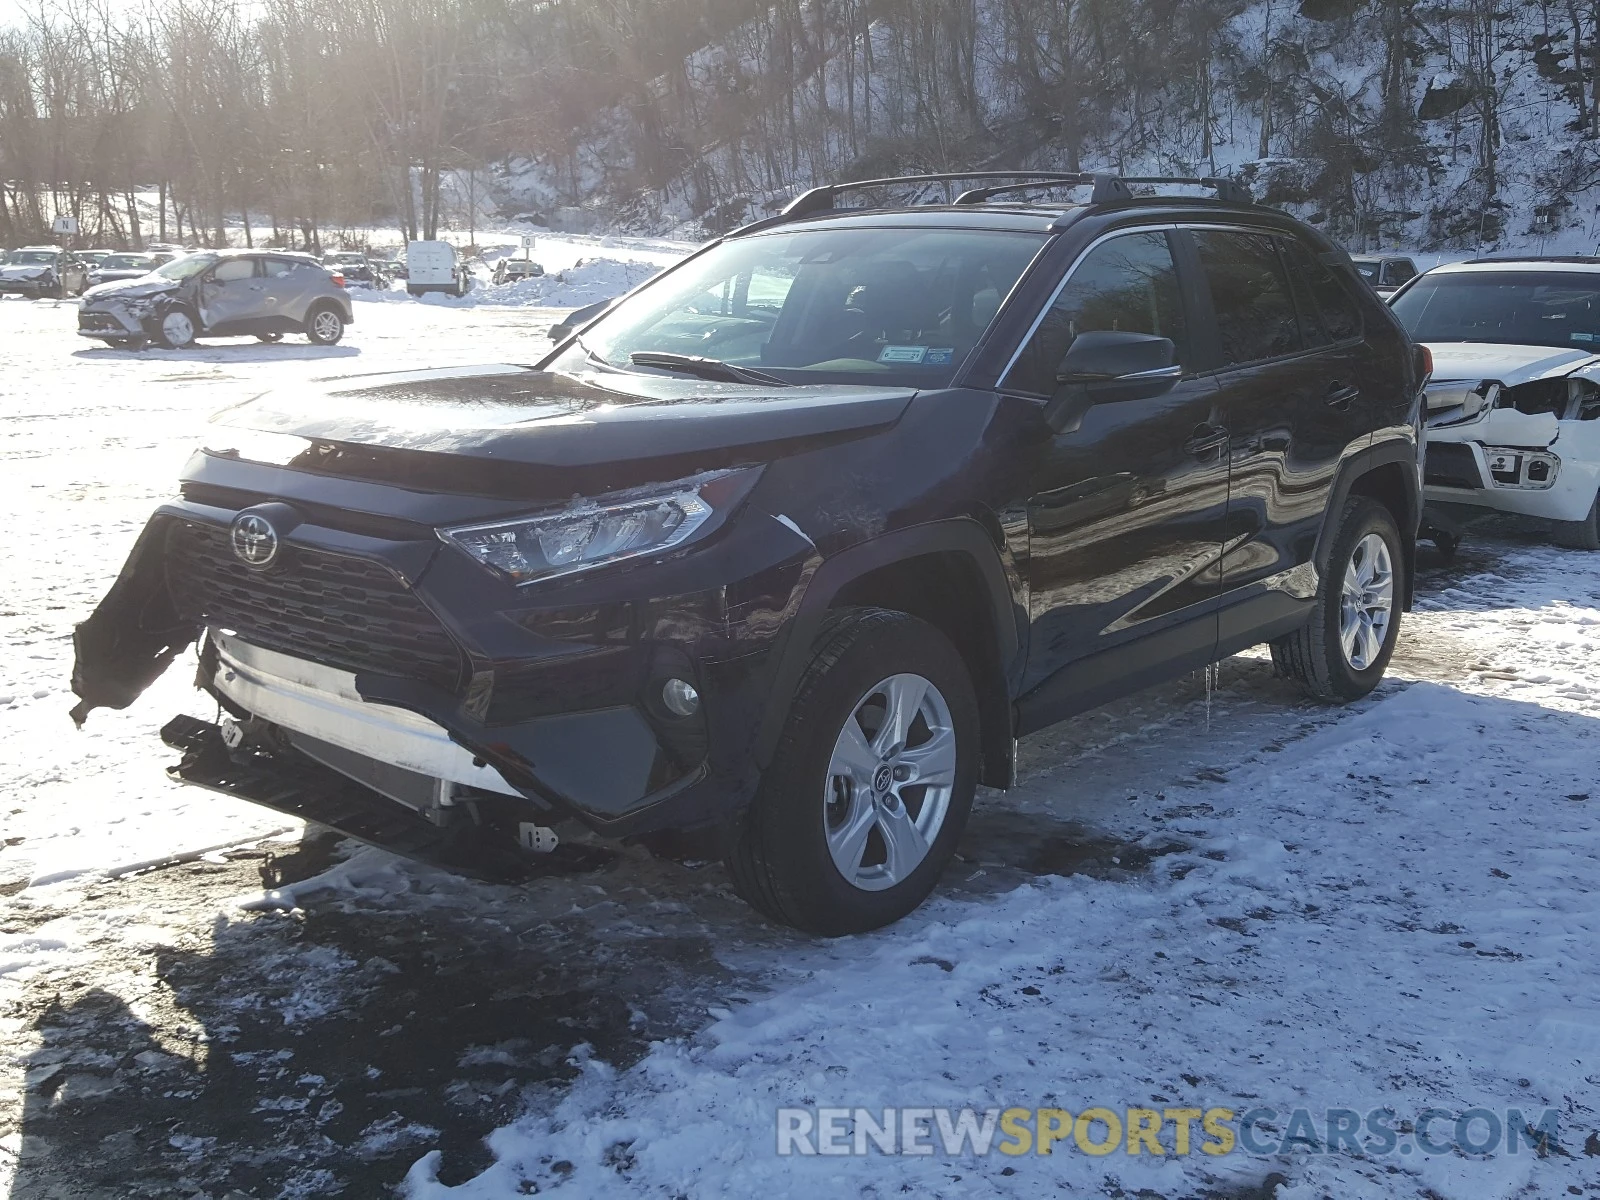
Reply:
x=220, y=293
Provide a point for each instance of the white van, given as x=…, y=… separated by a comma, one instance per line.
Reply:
x=435, y=267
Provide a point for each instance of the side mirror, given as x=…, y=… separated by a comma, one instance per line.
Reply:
x=1107, y=367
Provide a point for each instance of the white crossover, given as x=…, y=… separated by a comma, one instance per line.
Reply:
x=1514, y=403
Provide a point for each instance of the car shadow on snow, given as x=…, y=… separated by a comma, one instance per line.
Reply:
x=254, y=352
x=393, y=1010
x=370, y=1010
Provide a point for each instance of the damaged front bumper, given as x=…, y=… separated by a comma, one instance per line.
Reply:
x=548, y=710
x=114, y=320
x=1500, y=459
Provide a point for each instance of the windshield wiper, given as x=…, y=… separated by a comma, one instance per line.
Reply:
x=703, y=368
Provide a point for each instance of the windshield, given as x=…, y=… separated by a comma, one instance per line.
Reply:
x=31, y=258
x=345, y=258
x=187, y=266
x=127, y=262
x=1519, y=308
x=897, y=306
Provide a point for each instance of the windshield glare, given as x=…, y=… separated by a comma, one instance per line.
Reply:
x=896, y=306
x=188, y=265
x=1520, y=308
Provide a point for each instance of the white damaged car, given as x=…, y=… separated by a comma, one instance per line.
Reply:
x=1514, y=403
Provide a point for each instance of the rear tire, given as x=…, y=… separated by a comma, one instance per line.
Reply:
x=1343, y=649
x=324, y=326
x=269, y=338
x=833, y=794
x=1580, y=535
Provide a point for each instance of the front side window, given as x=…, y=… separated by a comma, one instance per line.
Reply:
x=1520, y=308
x=1256, y=317
x=234, y=269
x=1128, y=283
x=902, y=306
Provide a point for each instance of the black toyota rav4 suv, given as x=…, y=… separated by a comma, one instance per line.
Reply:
x=776, y=558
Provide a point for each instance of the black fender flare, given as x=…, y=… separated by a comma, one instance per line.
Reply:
x=1398, y=450
x=963, y=536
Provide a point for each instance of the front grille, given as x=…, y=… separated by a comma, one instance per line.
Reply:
x=336, y=610
x=94, y=320
x=1450, y=464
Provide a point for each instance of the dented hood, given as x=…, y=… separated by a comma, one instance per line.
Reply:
x=1510, y=365
x=141, y=287
x=515, y=414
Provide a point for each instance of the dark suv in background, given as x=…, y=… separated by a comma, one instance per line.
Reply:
x=778, y=557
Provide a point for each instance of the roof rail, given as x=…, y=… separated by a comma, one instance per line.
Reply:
x=820, y=199
x=1108, y=189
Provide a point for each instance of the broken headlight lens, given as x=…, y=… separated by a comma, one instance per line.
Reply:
x=610, y=529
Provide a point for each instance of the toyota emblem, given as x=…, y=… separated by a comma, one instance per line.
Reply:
x=255, y=541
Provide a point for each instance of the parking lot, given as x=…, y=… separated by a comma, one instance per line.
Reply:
x=1212, y=893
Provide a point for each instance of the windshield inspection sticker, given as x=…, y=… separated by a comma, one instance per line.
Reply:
x=902, y=354
x=938, y=356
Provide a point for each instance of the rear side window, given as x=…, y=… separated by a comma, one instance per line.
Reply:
x=1340, y=316
x=274, y=267
x=1397, y=272
x=1256, y=317
x=1129, y=283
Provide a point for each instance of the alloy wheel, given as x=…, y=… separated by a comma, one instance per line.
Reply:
x=1366, y=602
x=325, y=325
x=889, y=782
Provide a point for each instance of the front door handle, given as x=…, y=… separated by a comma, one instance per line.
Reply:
x=1340, y=395
x=1208, y=439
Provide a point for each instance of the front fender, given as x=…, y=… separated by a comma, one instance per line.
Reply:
x=964, y=536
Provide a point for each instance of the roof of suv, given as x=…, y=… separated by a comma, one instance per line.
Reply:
x=1560, y=263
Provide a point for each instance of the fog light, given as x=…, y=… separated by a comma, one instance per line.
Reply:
x=680, y=698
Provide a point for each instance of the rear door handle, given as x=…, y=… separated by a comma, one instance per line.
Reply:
x=1207, y=439
x=1340, y=395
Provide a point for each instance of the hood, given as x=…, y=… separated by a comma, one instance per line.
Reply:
x=24, y=271
x=140, y=287
x=1510, y=365
x=616, y=429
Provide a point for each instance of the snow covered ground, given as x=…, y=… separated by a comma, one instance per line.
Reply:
x=1198, y=898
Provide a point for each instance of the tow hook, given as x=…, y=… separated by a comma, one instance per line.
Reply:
x=232, y=733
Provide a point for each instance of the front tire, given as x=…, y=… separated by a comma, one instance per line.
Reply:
x=177, y=328
x=1580, y=535
x=1343, y=649
x=325, y=326
x=870, y=787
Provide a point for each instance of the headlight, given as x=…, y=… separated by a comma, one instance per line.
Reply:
x=609, y=529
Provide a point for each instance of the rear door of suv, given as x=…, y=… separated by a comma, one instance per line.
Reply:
x=1293, y=369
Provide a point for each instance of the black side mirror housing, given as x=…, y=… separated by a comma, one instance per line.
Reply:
x=1107, y=367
